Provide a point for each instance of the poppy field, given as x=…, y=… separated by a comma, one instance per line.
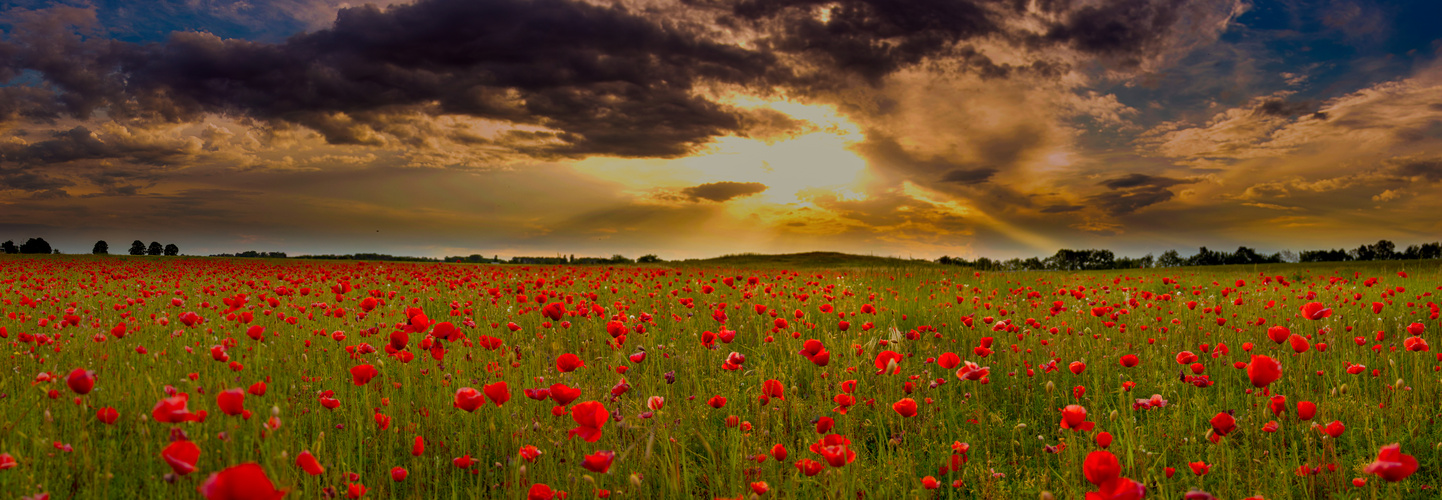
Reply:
x=257, y=379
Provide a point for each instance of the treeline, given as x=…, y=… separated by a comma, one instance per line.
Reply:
x=557, y=260
x=1080, y=260
x=40, y=246
x=370, y=256
x=252, y=254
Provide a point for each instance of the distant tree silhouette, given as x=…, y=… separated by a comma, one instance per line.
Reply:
x=9, y=247
x=649, y=258
x=137, y=248
x=172, y=250
x=35, y=245
x=155, y=248
x=101, y=248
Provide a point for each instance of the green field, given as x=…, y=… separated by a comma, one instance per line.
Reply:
x=60, y=313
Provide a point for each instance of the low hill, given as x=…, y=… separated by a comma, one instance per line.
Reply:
x=807, y=259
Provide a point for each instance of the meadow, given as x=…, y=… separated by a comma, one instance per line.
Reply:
x=150, y=377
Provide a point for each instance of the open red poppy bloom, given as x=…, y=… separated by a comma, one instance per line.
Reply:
x=181, y=456
x=231, y=401
x=888, y=362
x=906, y=407
x=1391, y=464
x=362, y=374
x=499, y=392
x=309, y=464
x=1223, y=423
x=599, y=462
x=468, y=399
x=1074, y=417
x=81, y=381
x=246, y=481
x=1263, y=370
x=1315, y=311
x=589, y=417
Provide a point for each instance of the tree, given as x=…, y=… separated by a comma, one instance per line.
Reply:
x=649, y=258
x=1170, y=258
x=155, y=248
x=101, y=248
x=35, y=245
x=172, y=250
x=9, y=247
x=137, y=248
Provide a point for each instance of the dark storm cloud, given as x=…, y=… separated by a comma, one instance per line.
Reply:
x=723, y=191
x=969, y=175
x=611, y=82
x=1123, y=31
x=1284, y=109
x=31, y=181
x=1430, y=170
x=1135, y=191
x=80, y=143
x=1058, y=209
x=870, y=38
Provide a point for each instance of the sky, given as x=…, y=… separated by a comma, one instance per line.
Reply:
x=696, y=128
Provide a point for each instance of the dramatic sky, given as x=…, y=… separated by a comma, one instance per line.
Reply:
x=694, y=128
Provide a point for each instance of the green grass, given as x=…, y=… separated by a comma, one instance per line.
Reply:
x=687, y=449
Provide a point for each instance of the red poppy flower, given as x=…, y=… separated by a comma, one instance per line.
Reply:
x=1077, y=367
x=463, y=461
x=1101, y=467
x=1299, y=344
x=1199, y=468
x=906, y=407
x=1278, y=334
x=1074, y=417
x=1263, y=370
x=246, y=481
x=468, y=399
x=1130, y=360
x=824, y=424
x=772, y=388
x=809, y=467
x=107, y=415
x=971, y=371
x=1306, y=410
x=716, y=402
x=836, y=449
x=418, y=448
x=1104, y=440
x=568, y=362
x=81, y=381
x=231, y=401
x=779, y=452
x=361, y=374
x=309, y=464
x=1315, y=311
x=599, y=462
x=173, y=410
x=1391, y=464
x=181, y=456
x=589, y=417
x=399, y=474
x=1186, y=357
x=7, y=461
x=499, y=392
x=530, y=453
x=1335, y=429
x=564, y=395
x=1223, y=423
x=888, y=361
